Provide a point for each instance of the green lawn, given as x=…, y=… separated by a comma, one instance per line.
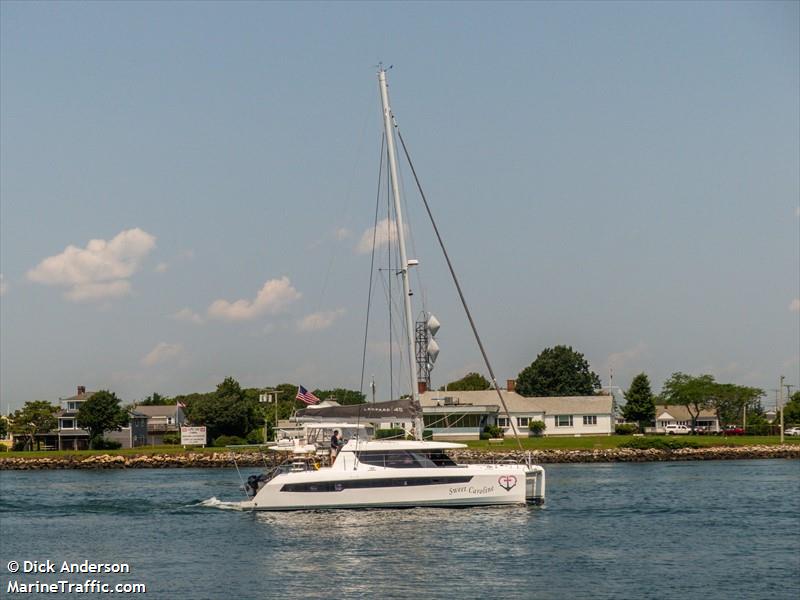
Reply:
x=613, y=441
x=543, y=443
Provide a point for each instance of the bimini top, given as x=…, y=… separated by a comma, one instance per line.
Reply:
x=386, y=445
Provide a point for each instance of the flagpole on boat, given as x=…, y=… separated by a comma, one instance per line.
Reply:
x=390, y=146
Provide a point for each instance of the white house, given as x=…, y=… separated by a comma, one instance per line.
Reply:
x=679, y=415
x=463, y=415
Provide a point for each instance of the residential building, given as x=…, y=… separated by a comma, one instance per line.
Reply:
x=463, y=415
x=162, y=419
x=674, y=414
x=69, y=436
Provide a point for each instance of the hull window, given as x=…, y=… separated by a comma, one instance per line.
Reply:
x=338, y=486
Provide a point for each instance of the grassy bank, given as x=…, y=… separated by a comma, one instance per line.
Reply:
x=614, y=441
x=141, y=451
x=543, y=443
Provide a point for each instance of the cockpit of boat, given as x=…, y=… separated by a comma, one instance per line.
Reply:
x=405, y=459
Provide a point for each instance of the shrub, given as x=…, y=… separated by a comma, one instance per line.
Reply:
x=256, y=436
x=229, y=440
x=392, y=433
x=537, y=427
x=172, y=439
x=626, y=429
x=493, y=430
x=485, y=435
x=101, y=443
x=659, y=443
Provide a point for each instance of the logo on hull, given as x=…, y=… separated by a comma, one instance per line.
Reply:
x=507, y=482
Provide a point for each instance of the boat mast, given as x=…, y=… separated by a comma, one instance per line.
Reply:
x=387, y=125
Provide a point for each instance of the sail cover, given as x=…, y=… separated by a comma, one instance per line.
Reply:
x=380, y=411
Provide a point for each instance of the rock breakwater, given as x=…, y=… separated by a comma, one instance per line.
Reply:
x=225, y=459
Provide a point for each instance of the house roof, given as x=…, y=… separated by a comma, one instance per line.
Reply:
x=84, y=396
x=157, y=410
x=680, y=413
x=521, y=404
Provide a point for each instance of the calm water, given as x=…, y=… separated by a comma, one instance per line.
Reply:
x=655, y=530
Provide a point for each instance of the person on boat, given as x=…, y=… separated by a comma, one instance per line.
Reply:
x=335, y=443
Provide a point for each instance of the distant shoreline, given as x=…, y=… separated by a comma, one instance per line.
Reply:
x=204, y=460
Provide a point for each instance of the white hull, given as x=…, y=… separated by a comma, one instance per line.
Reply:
x=457, y=486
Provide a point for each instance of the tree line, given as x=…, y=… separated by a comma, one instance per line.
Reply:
x=562, y=371
x=236, y=412
x=229, y=410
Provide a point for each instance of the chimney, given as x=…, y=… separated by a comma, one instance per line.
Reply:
x=511, y=385
x=81, y=390
x=422, y=387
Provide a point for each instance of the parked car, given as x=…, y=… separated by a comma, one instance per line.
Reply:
x=732, y=430
x=673, y=429
x=792, y=431
x=700, y=430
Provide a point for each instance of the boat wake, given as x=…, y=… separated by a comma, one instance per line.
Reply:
x=215, y=502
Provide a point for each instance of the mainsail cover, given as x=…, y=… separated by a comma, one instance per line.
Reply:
x=405, y=409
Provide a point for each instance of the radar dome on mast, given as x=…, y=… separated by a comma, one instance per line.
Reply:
x=433, y=325
x=433, y=351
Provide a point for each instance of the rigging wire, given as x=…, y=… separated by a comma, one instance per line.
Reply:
x=393, y=302
x=457, y=284
x=372, y=265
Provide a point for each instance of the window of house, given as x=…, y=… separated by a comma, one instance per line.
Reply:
x=523, y=421
x=502, y=421
x=67, y=423
x=563, y=420
x=590, y=419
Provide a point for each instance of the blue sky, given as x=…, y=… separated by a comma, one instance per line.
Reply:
x=620, y=177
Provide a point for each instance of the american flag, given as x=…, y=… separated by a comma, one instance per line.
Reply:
x=305, y=396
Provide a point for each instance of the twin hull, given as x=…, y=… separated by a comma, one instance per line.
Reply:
x=464, y=485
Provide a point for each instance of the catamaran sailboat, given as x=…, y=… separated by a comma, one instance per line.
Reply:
x=396, y=473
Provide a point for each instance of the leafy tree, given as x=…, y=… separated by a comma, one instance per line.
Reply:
x=558, y=371
x=470, y=382
x=155, y=399
x=341, y=395
x=101, y=413
x=227, y=411
x=791, y=410
x=3, y=427
x=38, y=416
x=640, y=406
x=695, y=393
x=729, y=401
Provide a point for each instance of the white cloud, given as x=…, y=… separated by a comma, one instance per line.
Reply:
x=620, y=360
x=342, y=233
x=99, y=271
x=3, y=285
x=162, y=267
x=382, y=231
x=88, y=292
x=163, y=353
x=188, y=315
x=794, y=305
x=319, y=320
x=272, y=298
x=797, y=211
